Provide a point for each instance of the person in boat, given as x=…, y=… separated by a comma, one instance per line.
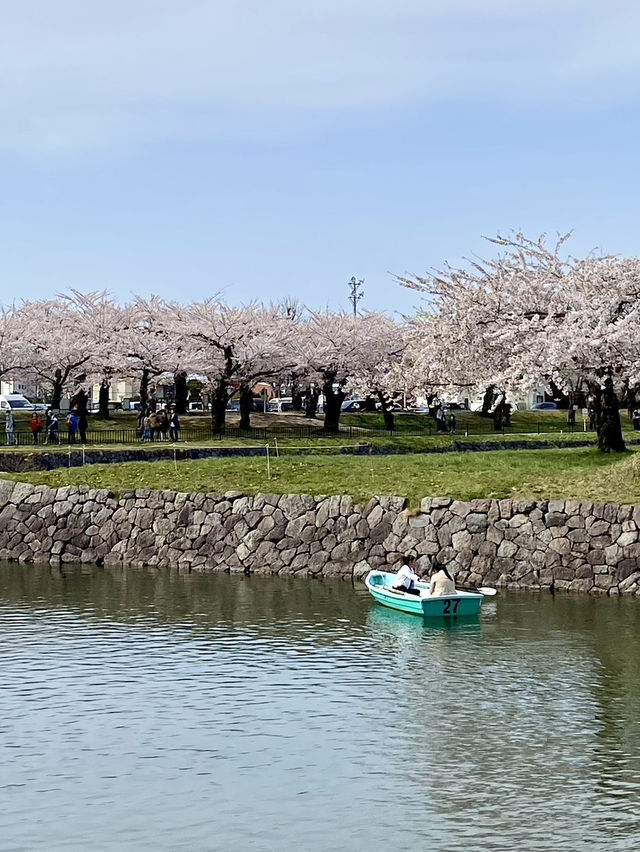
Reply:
x=442, y=583
x=406, y=578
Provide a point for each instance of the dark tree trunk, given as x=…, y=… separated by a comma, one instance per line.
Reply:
x=79, y=401
x=501, y=414
x=144, y=393
x=369, y=403
x=311, y=397
x=56, y=394
x=389, y=419
x=562, y=399
x=182, y=392
x=296, y=395
x=607, y=417
x=487, y=401
x=332, y=403
x=246, y=406
x=219, y=407
x=103, y=400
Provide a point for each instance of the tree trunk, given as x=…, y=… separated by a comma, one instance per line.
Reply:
x=296, y=395
x=79, y=401
x=56, y=394
x=607, y=411
x=103, y=400
x=389, y=419
x=311, y=407
x=562, y=399
x=487, y=400
x=144, y=393
x=369, y=403
x=332, y=403
x=219, y=401
x=501, y=413
x=246, y=406
x=182, y=392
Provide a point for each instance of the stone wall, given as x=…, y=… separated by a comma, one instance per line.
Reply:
x=555, y=545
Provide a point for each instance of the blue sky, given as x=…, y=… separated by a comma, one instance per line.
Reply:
x=275, y=148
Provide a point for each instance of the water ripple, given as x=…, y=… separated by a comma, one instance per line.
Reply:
x=144, y=710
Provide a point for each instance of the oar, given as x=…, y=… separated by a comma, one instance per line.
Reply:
x=487, y=591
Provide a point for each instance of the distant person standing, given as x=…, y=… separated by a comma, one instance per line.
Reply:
x=72, y=426
x=174, y=426
x=10, y=429
x=164, y=424
x=35, y=425
x=83, y=423
x=52, y=430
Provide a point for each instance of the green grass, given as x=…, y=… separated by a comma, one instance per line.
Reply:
x=568, y=473
x=471, y=422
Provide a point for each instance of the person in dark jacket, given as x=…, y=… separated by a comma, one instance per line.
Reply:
x=174, y=425
x=52, y=429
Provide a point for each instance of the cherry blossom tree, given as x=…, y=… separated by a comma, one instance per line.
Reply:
x=379, y=368
x=341, y=354
x=234, y=347
x=100, y=319
x=532, y=316
x=151, y=345
x=60, y=339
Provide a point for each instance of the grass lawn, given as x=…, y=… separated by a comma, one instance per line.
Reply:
x=583, y=474
x=472, y=423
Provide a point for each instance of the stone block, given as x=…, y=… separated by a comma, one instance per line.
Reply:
x=460, y=509
x=477, y=522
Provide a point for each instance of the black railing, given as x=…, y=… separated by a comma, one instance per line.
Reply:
x=262, y=434
x=25, y=438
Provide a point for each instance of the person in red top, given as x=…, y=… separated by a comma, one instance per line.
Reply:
x=36, y=426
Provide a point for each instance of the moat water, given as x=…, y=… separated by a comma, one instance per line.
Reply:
x=157, y=711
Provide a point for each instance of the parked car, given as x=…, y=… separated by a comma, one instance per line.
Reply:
x=94, y=407
x=541, y=406
x=352, y=405
x=278, y=405
x=196, y=405
x=15, y=402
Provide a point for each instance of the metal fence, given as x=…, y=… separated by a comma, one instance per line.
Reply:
x=24, y=438
x=132, y=436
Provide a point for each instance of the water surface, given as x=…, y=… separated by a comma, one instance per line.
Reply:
x=143, y=710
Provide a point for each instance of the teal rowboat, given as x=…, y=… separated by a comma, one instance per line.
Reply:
x=379, y=584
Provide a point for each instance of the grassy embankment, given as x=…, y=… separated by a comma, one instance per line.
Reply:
x=570, y=473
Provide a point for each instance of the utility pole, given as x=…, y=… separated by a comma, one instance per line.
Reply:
x=355, y=293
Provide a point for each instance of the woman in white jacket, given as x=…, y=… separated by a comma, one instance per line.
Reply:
x=406, y=578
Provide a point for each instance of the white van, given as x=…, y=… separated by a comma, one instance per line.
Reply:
x=15, y=402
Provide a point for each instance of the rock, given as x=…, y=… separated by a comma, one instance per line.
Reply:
x=460, y=509
x=627, y=538
x=507, y=549
x=461, y=540
x=477, y=522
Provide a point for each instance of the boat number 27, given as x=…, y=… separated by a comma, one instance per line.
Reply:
x=449, y=609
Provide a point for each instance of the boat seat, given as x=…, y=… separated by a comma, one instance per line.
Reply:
x=404, y=594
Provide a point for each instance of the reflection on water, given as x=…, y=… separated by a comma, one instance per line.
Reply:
x=143, y=710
